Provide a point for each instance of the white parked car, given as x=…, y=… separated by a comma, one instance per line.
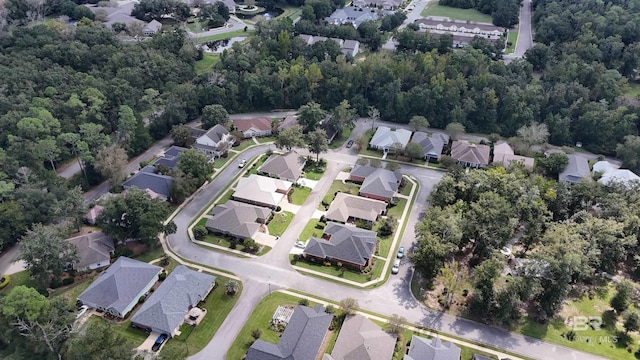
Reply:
x=242, y=163
x=301, y=244
x=396, y=267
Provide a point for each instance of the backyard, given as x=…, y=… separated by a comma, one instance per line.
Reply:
x=206, y=63
x=338, y=186
x=279, y=223
x=299, y=194
x=473, y=15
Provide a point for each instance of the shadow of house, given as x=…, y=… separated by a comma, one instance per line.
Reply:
x=349, y=245
x=165, y=310
x=301, y=340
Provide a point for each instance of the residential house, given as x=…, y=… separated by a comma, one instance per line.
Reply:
x=347, y=208
x=166, y=309
x=611, y=175
x=156, y=185
x=261, y=190
x=390, y=140
x=380, y=4
x=352, y=15
x=121, y=14
x=288, y=122
x=286, y=167
x=329, y=130
x=94, y=250
x=377, y=183
x=431, y=349
x=504, y=155
x=215, y=142
x=152, y=27
x=348, y=47
x=253, y=127
x=480, y=357
x=238, y=219
x=576, y=171
x=470, y=155
x=301, y=340
x=231, y=5
x=460, y=28
x=170, y=158
x=349, y=245
x=362, y=339
x=432, y=144
x=117, y=290
x=92, y=215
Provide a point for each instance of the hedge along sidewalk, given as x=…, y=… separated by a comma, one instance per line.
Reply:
x=500, y=355
x=426, y=165
x=398, y=235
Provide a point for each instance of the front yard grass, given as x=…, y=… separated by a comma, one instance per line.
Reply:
x=371, y=152
x=334, y=270
x=512, y=38
x=406, y=189
x=256, y=165
x=339, y=186
x=313, y=170
x=220, y=162
x=224, y=198
x=310, y=230
x=339, y=141
x=244, y=144
x=260, y=319
x=279, y=223
x=396, y=211
x=224, y=36
x=299, y=194
x=456, y=14
x=264, y=140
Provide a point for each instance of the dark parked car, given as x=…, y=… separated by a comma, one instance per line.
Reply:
x=349, y=143
x=159, y=341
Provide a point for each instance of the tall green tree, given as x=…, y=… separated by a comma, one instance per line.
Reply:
x=182, y=136
x=98, y=341
x=629, y=152
x=342, y=117
x=214, y=115
x=317, y=142
x=196, y=165
x=310, y=115
x=419, y=123
x=12, y=222
x=111, y=163
x=290, y=137
x=45, y=252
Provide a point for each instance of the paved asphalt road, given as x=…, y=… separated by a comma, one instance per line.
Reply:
x=273, y=271
x=525, y=37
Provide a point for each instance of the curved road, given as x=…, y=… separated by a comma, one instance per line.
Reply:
x=273, y=271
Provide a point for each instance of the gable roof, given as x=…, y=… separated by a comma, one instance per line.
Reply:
x=93, y=248
x=216, y=133
x=352, y=15
x=153, y=26
x=287, y=166
x=621, y=176
x=289, y=121
x=346, y=205
x=346, y=243
x=258, y=123
x=238, y=219
x=433, y=144
x=361, y=339
x=377, y=181
x=119, y=285
x=301, y=339
x=576, y=170
x=463, y=151
x=93, y=213
x=166, y=308
x=145, y=179
x=261, y=189
x=385, y=137
x=171, y=157
x=502, y=148
x=431, y=349
x=603, y=167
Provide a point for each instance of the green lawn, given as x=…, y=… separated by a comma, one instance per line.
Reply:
x=244, y=144
x=406, y=190
x=397, y=210
x=226, y=197
x=369, y=152
x=299, y=195
x=339, y=186
x=256, y=165
x=456, y=14
x=512, y=38
x=224, y=36
x=600, y=341
x=218, y=305
x=633, y=89
x=279, y=223
x=152, y=254
x=333, y=270
x=263, y=140
x=22, y=278
x=313, y=171
x=260, y=319
x=339, y=141
x=310, y=230
x=221, y=161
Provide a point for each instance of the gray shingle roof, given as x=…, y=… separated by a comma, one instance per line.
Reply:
x=431, y=349
x=159, y=184
x=301, y=339
x=576, y=170
x=93, y=248
x=238, y=219
x=288, y=166
x=119, y=285
x=377, y=181
x=463, y=151
x=171, y=157
x=385, y=137
x=180, y=291
x=361, y=339
x=346, y=205
x=433, y=144
x=346, y=243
